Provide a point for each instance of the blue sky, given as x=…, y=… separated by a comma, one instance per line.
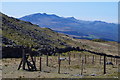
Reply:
x=104, y=11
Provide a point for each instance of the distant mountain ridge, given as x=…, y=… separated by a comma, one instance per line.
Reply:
x=75, y=28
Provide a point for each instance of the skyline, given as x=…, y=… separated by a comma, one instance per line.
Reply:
x=89, y=11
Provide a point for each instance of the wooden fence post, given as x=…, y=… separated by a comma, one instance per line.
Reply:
x=58, y=57
x=74, y=55
x=116, y=61
x=20, y=64
x=93, y=60
x=104, y=64
x=69, y=58
x=47, y=59
x=111, y=59
x=59, y=62
x=34, y=58
x=82, y=66
x=23, y=57
x=40, y=64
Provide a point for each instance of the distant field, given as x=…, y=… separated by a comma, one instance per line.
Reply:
x=109, y=47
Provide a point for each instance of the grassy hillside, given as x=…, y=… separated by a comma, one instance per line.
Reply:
x=20, y=33
x=16, y=32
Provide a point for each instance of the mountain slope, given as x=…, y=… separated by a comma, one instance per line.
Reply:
x=25, y=33
x=75, y=28
x=20, y=33
x=17, y=33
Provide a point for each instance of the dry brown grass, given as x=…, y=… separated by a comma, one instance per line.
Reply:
x=67, y=71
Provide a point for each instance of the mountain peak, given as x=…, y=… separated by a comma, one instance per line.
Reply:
x=71, y=17
x=43, y=14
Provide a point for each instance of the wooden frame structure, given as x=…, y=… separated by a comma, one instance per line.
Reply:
x=30, y=64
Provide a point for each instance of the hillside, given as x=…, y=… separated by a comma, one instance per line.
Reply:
x=76, y=28
x=21, y=33
x=17, y=32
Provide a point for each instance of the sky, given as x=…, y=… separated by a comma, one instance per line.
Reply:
x=60, y=0
x=90, y=11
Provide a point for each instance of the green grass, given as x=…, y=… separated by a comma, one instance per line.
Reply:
x=99, y=40
x=27, y=34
